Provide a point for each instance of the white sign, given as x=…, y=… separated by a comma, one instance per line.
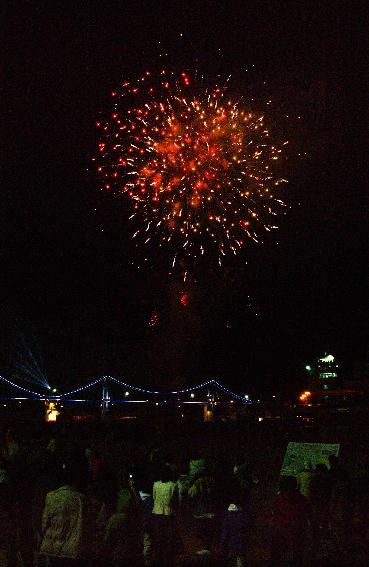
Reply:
x=302, y=456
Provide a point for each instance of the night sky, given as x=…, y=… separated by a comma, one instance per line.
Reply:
x=67, y=281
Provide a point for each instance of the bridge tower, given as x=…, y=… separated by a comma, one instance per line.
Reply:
x=105, y=399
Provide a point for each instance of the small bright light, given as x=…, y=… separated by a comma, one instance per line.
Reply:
x=246, y=396
x=308, y=367
x=260, y=418
x=192, y=395
x=55, y=390
x=126, y=394
x=157, y=403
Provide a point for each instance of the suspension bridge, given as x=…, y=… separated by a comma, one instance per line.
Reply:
x=107, y=389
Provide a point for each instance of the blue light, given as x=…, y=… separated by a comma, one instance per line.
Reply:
x=128, y=387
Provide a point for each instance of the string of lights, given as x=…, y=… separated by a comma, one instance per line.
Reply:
x=81, y=388
x=226, y=391
x=211, y=382
x=10, y=383
x=156, y=392
x=104, y=379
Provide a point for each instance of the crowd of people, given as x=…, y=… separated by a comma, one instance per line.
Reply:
x=113, y=503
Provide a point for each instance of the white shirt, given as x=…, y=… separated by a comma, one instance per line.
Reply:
x=62, y=523
x=164, y=495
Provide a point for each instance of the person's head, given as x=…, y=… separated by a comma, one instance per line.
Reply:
x=74, y=469
x=122, y=473
x=10, y=435
x=51, y=447
x=308, y=467
x=3, y=463
x=145, y=485
x=166, y=474
x=234, y=494
x=195, y=454
x=321, y=468
x=287, y=484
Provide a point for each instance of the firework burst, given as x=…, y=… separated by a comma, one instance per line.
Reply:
x=198, y=168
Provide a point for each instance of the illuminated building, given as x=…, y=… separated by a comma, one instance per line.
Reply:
x=326, y=373
x=326, y=386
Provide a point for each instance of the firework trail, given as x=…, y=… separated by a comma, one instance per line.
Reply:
x=198, y=168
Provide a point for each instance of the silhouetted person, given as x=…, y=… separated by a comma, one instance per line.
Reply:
x=290, y=524
x=7, y=516
x=65, y=518
x=304, y=480
x=341, y=505
x=321, y=489
x=145, y=494
x=232, y=544
x=167, y=542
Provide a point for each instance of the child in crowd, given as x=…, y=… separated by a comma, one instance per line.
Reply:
x=232, y=545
